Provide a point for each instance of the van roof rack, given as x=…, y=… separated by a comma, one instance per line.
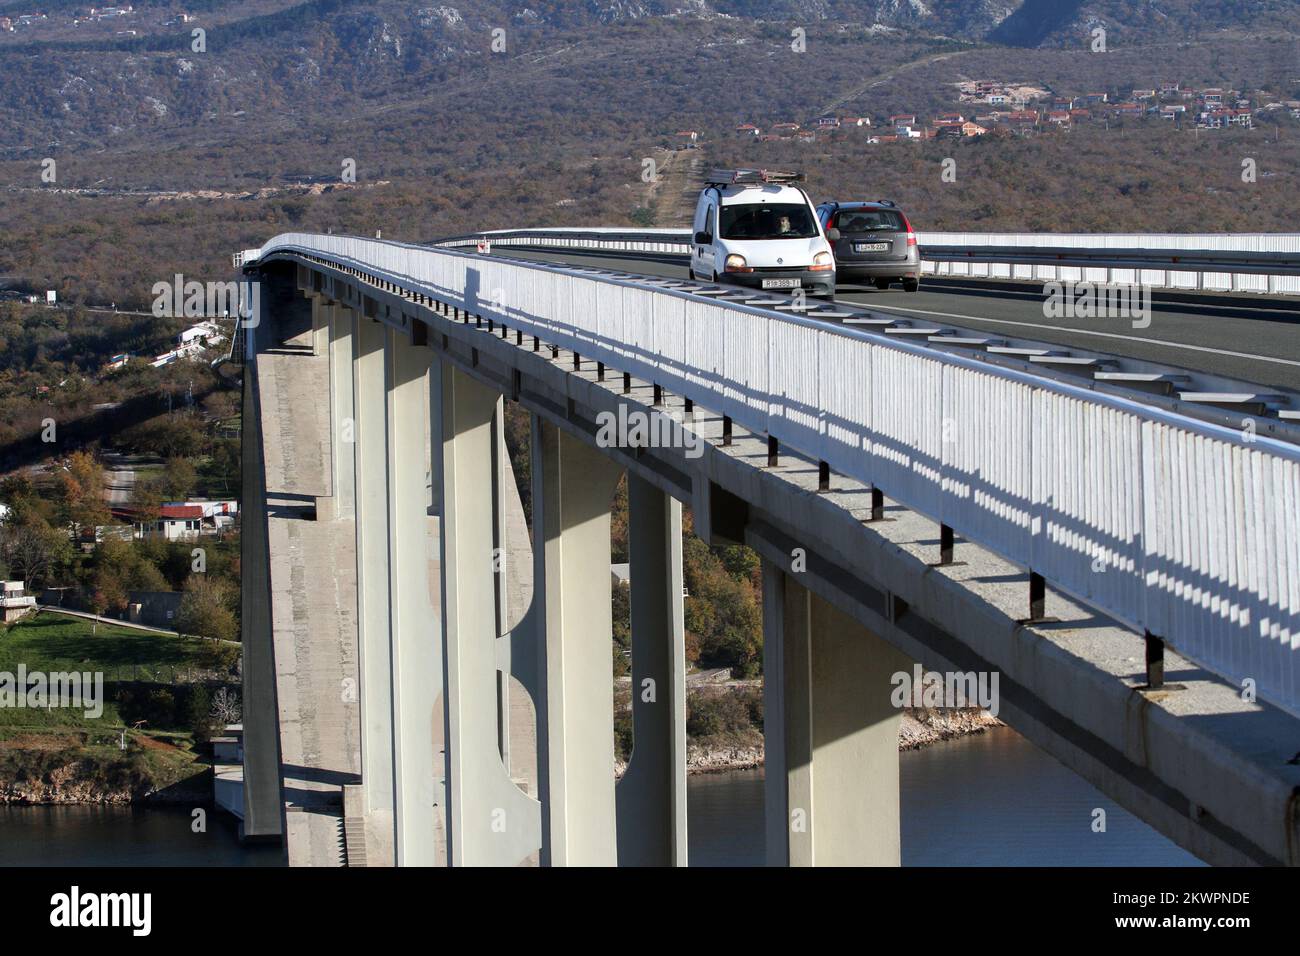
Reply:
x=739, y=177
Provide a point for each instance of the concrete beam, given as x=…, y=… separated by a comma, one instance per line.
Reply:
x=341, y=502
x=831, y=733
x=416, y=651
x=572, y=487
x=491, y=822
x=373, y=623
x=651, y=796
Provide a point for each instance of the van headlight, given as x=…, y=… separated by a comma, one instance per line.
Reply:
x=735, y=263
x=823, y=262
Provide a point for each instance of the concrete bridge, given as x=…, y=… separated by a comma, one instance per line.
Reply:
x=426, y=683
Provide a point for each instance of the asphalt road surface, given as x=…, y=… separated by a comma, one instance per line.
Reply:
x=1254, y=338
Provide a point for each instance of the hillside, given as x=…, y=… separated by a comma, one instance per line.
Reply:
x=167, y=160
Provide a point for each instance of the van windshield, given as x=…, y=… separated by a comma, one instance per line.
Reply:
x=767, y=221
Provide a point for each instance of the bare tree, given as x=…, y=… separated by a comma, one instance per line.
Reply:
x=30, y=548
x=226, y=707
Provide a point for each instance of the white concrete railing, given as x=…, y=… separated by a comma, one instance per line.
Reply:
x=1180, y=527
x=995, y=256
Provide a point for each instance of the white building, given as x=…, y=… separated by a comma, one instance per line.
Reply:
x=13, y=602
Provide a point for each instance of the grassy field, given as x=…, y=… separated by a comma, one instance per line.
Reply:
x=117, y=752
x=49, y=642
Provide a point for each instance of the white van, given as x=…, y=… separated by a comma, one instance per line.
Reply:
x=755, y=228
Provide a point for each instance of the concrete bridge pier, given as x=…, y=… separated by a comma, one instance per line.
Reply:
x=340, y=322
x=491, y=822
x=263, y=799
x=415, y=641
x=320, y=323
x=573, y=484
x=373, y=624
x=651, y=796
x=831, y=733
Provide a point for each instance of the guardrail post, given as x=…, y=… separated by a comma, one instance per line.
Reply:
x=1037, y=597
x=1155, y=660
x=726, y=430
x=877, y=504
x=945, y=544
x=823, y=476
x=773, y=451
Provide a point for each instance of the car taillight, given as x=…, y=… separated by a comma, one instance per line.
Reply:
x=911, y=238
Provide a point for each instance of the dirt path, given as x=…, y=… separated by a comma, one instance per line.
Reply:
x=832, y=106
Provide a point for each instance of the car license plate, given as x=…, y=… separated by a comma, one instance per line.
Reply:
x=780, y=283
x=871, y=246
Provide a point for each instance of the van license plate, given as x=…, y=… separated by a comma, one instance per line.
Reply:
x=871, y=246
x=780, y=283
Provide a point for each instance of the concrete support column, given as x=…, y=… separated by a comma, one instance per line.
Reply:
x=416, y=648
x=320, y=325
x=491, y=822
x=263, y=803
x=370, y=401
x=572, y=487
x=831, y=733
x=651, y=796
x=340, y=323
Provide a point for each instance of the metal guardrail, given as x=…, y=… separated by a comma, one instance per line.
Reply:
x=1171, y=525
x=1201, y=262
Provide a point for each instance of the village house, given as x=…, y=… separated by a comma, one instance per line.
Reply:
x=205, y=333
x=186, y=520
x=748, y=129
x=958, y=130
x=14, y=602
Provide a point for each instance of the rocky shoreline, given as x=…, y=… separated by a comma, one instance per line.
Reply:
x=68, y=786
x=921, y=727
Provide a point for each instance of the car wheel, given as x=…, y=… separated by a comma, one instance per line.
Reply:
x=882, y=284
x=911, y=285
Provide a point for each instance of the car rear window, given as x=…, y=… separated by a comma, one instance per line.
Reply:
x=767, y=221
x=869, y=220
